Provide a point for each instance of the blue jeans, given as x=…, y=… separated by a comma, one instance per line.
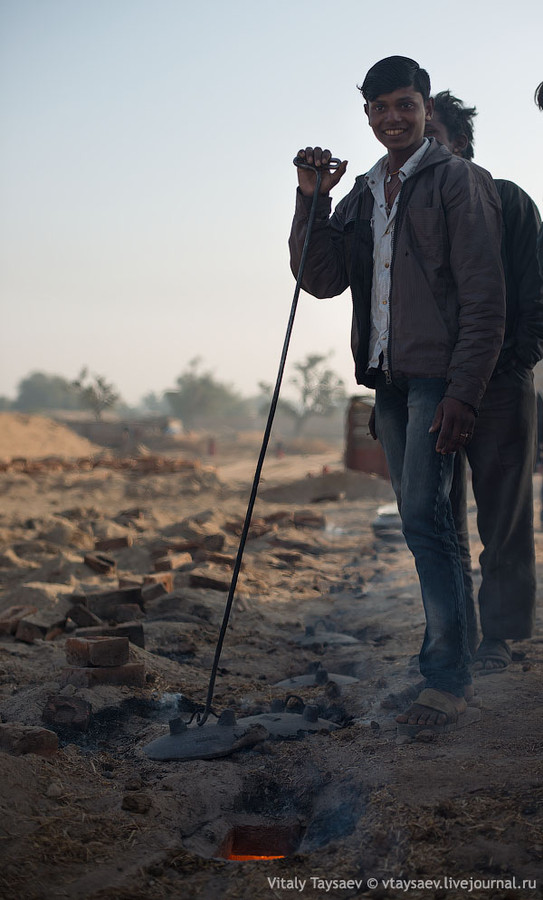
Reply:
x=422, y=480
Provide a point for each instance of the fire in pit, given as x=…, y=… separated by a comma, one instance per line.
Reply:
x=260, y=842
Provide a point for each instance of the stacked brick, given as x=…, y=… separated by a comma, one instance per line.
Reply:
x=95, y=660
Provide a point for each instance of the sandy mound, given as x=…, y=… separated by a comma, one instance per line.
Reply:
x=36, y=436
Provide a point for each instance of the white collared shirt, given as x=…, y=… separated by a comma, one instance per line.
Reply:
x=383, y=229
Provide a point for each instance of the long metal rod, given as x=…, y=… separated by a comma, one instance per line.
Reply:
x=267, y=432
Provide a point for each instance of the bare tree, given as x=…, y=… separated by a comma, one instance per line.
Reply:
x=319, y=390
x=96, y=394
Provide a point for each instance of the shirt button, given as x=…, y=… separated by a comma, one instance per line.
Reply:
x=387, y=265
x=384, y=302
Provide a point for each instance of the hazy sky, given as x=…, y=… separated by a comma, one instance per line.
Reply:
x=147, y=185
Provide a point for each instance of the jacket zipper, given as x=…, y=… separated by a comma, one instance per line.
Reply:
x=401, y=205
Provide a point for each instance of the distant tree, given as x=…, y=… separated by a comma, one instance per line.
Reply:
x=201, y=396
x=5, y=404
x=39, y=391
x=95, y=393
x=318, y=391
x=154, y=403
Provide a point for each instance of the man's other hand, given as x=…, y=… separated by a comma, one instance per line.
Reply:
x=455, y=422
x=314, y=156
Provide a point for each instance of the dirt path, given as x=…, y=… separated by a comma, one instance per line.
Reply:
x=100, y=820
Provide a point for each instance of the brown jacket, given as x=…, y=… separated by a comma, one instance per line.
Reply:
x=447, y=298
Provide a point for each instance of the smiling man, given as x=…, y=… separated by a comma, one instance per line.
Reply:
x=417, y=240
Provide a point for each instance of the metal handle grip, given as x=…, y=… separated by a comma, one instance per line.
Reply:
x=301, y=163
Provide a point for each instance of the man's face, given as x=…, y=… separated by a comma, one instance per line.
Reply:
x=436, y=129
x=398, y=119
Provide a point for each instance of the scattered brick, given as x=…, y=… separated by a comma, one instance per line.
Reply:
x=160, y=549
x=97, y=651
x=172, y=561
x=258, y=528
x=214, y=542
x=203, y=580
x=222, y=559
x=132, y=581
x=290, y=557
x=332, y=497
x=28, y=631
x=68, y=712
x=164, y=578
x=10, y=618
x=151, y=592
x=40, y=624
x=106, y=603
x=301, y=546
x=99, y=562
x=83, y=617
x=282, y=515
x=114, y=543
x=54, y=633
x=21, y=739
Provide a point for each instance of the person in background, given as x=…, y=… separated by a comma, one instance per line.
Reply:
x=501, y=451
x=417, y=240
x=539, y=102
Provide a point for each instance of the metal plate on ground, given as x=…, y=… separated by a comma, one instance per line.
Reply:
x=287, y=724
x=329, y=638
x=311, y=679
x=211, y=741
x=205, y=742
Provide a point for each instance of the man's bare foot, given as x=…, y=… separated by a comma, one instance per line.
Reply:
x=402, y=698
x=433, y=708
x=492, y=656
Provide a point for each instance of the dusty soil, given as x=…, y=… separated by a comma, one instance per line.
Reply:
x=100, y=820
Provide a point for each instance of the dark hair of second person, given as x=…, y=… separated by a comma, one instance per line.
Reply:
x=457, y=119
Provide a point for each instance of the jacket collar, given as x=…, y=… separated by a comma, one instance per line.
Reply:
x=435, y=155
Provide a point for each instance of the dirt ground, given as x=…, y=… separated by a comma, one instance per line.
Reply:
x=352, y=812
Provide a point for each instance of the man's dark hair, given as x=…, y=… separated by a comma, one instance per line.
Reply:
x=457, y=119
x=539, y=95
x=392, y=73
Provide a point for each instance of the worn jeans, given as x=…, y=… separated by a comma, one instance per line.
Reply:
x=501, y=458
x=422, y=480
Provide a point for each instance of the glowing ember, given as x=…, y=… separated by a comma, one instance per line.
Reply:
x=244, y=858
